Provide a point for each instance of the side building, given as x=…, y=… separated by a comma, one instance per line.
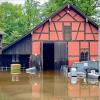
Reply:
x=17, y=52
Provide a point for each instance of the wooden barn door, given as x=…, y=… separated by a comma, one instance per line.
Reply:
x=60, y=55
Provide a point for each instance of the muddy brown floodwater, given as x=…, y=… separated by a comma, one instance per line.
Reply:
x=45, y=86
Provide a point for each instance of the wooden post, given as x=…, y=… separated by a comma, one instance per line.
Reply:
x=6, y=68
x=2, y=69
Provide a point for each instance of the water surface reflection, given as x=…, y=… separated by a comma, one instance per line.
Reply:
x=46, y=86
x=56, y=86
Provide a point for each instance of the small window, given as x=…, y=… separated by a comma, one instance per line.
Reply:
x=84, y=56
x=67, y=31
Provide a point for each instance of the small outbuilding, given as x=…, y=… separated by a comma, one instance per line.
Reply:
x=17, y=52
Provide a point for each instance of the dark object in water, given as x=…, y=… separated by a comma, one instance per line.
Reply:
x=99, y=78
x=93, y=75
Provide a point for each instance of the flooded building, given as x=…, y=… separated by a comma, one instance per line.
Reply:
x=65, y=37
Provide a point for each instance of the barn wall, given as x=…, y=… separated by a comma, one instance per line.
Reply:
x=84, y=36
x=24, y=46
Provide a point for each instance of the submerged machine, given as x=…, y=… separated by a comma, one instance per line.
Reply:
x=88, y=70
x=85, y=68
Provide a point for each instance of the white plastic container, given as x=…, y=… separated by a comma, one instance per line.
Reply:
x=31, y=70
x=73, y=72
x=73, y=76
x=73, y=80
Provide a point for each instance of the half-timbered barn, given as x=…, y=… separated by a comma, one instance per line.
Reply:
x=65, y=37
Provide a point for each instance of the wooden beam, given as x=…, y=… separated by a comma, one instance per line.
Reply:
x=78, y=31
x=41, y=31
x=92, y=31
x=62, y=16
x=56, y=30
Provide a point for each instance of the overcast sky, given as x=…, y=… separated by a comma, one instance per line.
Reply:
x=20, y=1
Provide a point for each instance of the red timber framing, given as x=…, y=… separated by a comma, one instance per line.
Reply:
x=84, y=33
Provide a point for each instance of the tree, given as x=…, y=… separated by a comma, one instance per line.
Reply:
x=31, y=13
x=86, y=6
x=16, y=20
x=9, y=20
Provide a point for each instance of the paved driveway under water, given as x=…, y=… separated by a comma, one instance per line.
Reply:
x=45, y=86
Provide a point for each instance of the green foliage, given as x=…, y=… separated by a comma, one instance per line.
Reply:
x=32, y=11
x=16, y=20
x=86, y=6
x=9, y=18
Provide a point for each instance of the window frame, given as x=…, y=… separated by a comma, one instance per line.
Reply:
x=86, y=57
x=67, y=30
